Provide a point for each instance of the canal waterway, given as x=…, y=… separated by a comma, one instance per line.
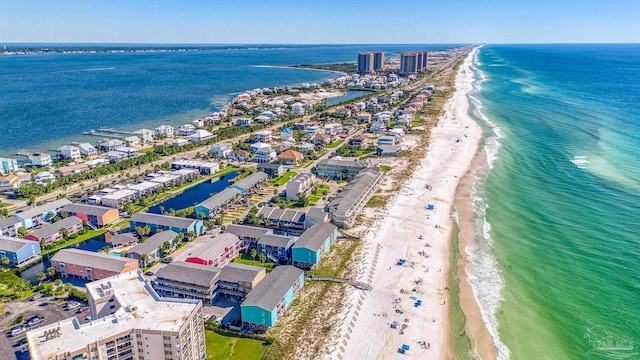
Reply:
x=350, y=95
x=194, y=195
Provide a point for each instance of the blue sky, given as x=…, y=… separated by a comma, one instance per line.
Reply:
x=320, y=21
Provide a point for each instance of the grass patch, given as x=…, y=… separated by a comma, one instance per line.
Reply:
x=227, y=169
x=283, y=179
x=246, y=259
x=385, y=168
x=224, y=347
x=376, y=201
x=334, y=144
x=313, y=199
x=65, y=243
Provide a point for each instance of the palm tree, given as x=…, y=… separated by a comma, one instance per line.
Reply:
x=51, y=271
x=64, y=232
x=263, y=258
x=191, y=235
x=40, y=276
x=145, y=258
x=180, y=237
x=253, y=253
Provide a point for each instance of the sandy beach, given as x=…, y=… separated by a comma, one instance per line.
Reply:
x=409, y=230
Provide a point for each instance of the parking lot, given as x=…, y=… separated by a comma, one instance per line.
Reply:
x=50, y=309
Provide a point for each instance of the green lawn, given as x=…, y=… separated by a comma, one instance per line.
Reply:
x=313, y=199
x=283, y=179
x=334, y=144
x=246, y=259
x=64, y=243
x=227, y=169
x=222, y=347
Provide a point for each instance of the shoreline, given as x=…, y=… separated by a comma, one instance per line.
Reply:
x=453, y=144
x=297, y=67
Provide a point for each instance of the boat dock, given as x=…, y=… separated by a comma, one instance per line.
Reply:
x=109, y=133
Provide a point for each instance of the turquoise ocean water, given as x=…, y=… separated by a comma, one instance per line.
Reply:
x=556, y=264
x=49, y=99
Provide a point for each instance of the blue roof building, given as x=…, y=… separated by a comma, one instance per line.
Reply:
x=18, y=250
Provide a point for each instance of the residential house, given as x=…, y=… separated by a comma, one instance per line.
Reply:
x=315, y=215
x=313, y=244
x=333, y=129
x=42, y=214
x=300, y=185
x=273, y=170
x=54, y=232
x=163, y=223
x=388, y=140
x=40, y=160
x=119, y=240
x=361, y=141
x=9, y=226
x=239, y=155
x=387, y=150
x=145, y=135
x=346, y=206
x=95, y=216
x=115, y=156
x=72, y=169
x=18, y=250
x=343, y=112
x=186, y=130
x=263, y=136
x=265, y=155
x=286, y=135
x=204, y=167
x=378, y=126
x=9, y=182
x=112, y=144
x=277, y=248
x=201, y=135
x=8, y=166
x=150, y=250
x=164, y=131
x=221, y=150
x=44, y=177
x=321, y=139
x=259, y=146
x=118, y=198
x=248, y=234
x=89, y=265
x=179, y=142
x=244, y=122
x=297, y=109
x=363, y=117
x=304, y=147
x=188, y=281
x=87, y=150
x=291, y=157
x=132, y=141
x=69, y=152
x=269, y=300
x=216, y=251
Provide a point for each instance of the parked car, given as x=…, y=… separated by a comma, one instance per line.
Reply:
x=35, y=321
x=168, y=260
x=73, y=305
x=149, y=273
x=84, y=308
x=36, y=296
x=17, y=330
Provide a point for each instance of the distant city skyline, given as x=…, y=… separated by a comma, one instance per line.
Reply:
x=327, y=22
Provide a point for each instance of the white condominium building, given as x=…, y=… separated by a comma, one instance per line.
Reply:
x=131, y=322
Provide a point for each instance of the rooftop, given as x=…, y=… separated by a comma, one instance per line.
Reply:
x=91, y=259
x=220, y=198
x=13, y=244
x=152, y=243
x=274, y=240
x=315, y=236
x=93, y=210
x=246, y=231
x=270, y=291
x=251, y=180
x=172, y=221
x=215, y=246
x=10, y=221
x=360, y=183
x=42, y=209
x=55, y=227
x=141, y=308
x=184, y=272
x=236, y=272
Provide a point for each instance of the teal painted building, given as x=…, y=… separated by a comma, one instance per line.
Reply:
x=163, y=222
x=269, y=300
x=313, y=244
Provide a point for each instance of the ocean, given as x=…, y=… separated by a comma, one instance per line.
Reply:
x=47, y=100
x=556, y=262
